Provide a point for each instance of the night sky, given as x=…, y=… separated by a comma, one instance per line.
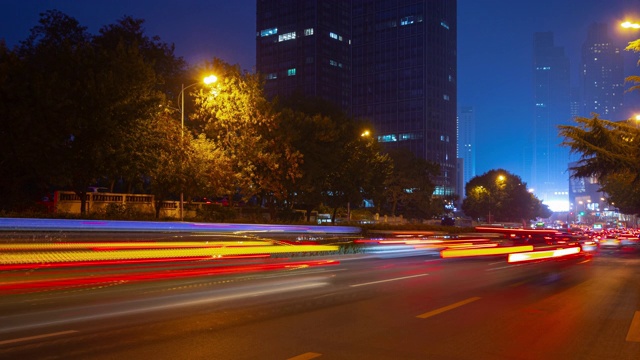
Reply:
x=494, y=49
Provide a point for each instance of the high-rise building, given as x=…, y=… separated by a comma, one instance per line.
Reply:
x=392, y=62
x=304, y=46
x=549, y=177
x=405, y=76
x=467, y=144
x=602, y=75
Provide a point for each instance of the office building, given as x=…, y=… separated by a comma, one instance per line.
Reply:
x=549, y=176
x=304, y=47
x=392, y=62
x=602, y=75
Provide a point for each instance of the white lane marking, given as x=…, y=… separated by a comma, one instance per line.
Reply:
x=36, y=337
x=394, y=279
x=634, y=329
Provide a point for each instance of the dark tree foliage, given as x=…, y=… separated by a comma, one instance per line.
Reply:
x=498, y=195
x=609, y=152
x=339, y=166
x=79, y=103
x=410, y=187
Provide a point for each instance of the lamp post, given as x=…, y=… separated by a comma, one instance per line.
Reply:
x=207, y=80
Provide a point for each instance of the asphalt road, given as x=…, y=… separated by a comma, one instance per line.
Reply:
x=416, y=307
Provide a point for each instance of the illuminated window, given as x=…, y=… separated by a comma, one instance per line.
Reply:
x=446, y=97
x=444, y=24
x=387, y=138
x=268, y=32
x=407, y=20
x=410, y=136
x=335, y=36
x=272, y=76
x=287, y=36
x=291, y=72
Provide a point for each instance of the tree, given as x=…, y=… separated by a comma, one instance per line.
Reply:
x=242, y=126
x=340, y=166
x=410, y=187
x=52, y=118
x=609, y=152
x=162, y=72
x=501, y=196
x=89, y=100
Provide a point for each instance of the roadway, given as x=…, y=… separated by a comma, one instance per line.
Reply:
x=356, y=307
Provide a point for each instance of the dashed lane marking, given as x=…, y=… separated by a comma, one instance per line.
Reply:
x=447, y=308
x=305, y=356
x=634, y=329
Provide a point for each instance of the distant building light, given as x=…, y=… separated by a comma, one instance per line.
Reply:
x=387, y=138
x=291, y=72
x=335, y=36
x=308, y=31
x=410, y=136
x=407, y=20
x=268, y=32
x=444, y=25
x=287, y=36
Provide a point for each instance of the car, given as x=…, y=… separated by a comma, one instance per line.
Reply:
x=610, y=242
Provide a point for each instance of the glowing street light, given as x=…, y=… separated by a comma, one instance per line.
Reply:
x=210, y=79
x=207, y=80
x=630, y=25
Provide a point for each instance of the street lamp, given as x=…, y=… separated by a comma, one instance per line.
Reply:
x=630, y=25
x=207, y=80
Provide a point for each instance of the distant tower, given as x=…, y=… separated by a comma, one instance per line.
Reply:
x=552, y=99
x=602, y=75
x=467, y=144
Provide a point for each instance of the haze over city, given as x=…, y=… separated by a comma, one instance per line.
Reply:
x=494, y=50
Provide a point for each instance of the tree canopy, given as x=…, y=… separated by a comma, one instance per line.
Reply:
x=498, y=195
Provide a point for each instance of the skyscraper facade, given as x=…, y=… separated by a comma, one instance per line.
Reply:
x=602, y=75
x=304, y=46
x=549, y=177
x=405, y=76
x=392, y=62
